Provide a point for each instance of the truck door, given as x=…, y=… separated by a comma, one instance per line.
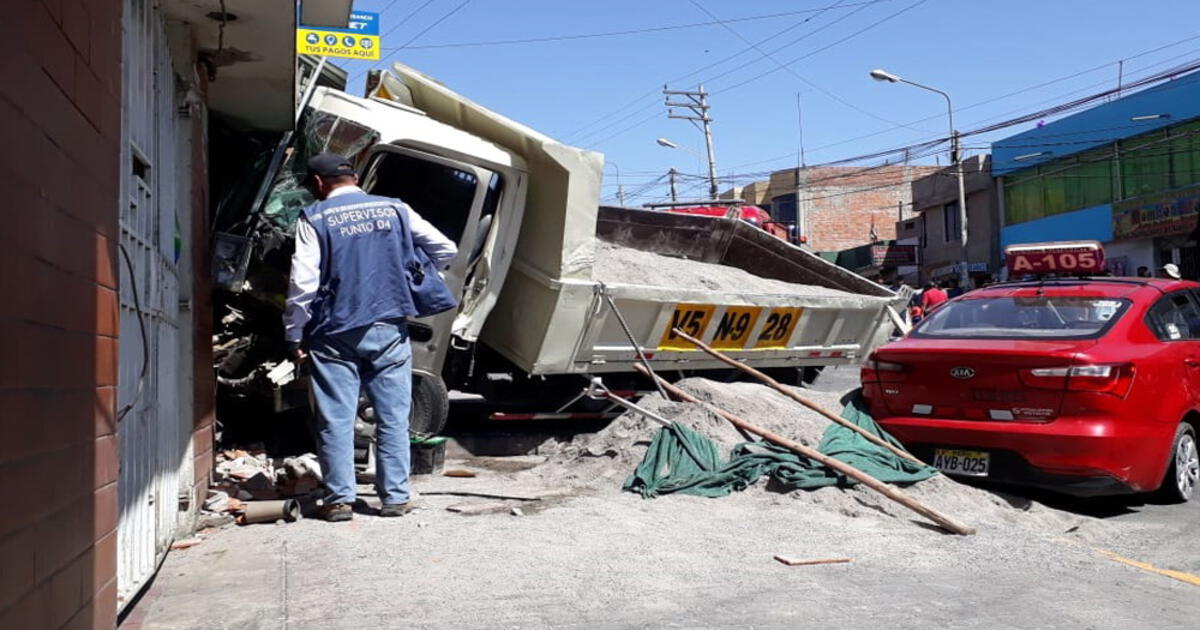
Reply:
x=460, y=200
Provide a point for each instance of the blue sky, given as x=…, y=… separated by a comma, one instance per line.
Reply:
x=604, y=93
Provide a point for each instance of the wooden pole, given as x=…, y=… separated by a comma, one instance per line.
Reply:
x=777, y=386
x=891, y=492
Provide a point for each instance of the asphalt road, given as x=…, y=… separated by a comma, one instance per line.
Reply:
x=609, y=559
x=1166, y=536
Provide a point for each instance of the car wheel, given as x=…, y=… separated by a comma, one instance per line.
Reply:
x=1183, y=470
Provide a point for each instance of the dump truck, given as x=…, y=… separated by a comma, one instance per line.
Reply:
x=555, y=287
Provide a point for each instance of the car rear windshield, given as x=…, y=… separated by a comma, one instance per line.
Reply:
x=1043, y=317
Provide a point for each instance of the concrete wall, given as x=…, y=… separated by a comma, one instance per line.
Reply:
x=60, y=86
x=930, y=196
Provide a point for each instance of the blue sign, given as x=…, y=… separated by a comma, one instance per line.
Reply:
x=361, y=23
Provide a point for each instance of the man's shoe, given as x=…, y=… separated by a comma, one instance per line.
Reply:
x=336, y=512
x=396, y=509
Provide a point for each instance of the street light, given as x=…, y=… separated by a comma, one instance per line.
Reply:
x=883, y=75
x=620, y=190
x=663, y=142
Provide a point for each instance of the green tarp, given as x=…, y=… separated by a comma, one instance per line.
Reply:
x=681, y=460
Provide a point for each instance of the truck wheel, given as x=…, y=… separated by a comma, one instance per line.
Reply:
x=430, y=406
x=1183, y=469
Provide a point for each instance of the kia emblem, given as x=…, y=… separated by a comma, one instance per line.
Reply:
x=962, y=372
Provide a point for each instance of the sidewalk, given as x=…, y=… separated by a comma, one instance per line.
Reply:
x=612, y=560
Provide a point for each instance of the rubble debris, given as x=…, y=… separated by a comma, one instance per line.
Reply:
x=471, y=509
x=215, y=521
x=793, y=562
x=459, y=472
x=516, y=512
x=270, y=511
x=217, y=501
x=247, y=481
x=186, y=543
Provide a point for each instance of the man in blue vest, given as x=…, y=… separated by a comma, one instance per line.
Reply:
x=350, y=293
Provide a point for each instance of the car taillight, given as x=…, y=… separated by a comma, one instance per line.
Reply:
x=1115, y=379
x=876, y=371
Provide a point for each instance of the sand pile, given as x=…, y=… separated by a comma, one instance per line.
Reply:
x=603, y=460
x=617, y=264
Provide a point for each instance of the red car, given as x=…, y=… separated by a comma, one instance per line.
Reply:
x=1085, y=386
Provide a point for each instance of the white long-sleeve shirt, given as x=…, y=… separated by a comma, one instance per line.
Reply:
x=306, y=263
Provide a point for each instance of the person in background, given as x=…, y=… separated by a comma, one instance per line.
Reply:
x=953, y=289
x=1143, y=272
x=932, y=297
x=1170, y=270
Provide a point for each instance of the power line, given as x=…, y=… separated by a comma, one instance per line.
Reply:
x=722, y=74
x=625, y=32
x=1062, y=108
x=792, y=62
x=414, y=38
x=768, y=56
x=827, y=46
x=1005, y=96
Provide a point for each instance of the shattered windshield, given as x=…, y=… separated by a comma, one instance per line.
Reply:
x=323, y=132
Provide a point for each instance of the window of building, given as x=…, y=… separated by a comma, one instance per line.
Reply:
x=784, y=208
x=1185, y=155
x=1145, y=165
x=1023, y=198
x=1089, y=181
x=952, y=228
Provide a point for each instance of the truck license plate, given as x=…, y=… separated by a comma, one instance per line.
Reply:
x=958, y=462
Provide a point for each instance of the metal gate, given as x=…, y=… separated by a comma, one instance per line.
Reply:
x=154, y=433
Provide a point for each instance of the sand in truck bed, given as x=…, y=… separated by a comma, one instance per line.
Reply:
x=617, y=264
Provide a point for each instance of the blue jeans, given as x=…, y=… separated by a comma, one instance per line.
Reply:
x=376, y=358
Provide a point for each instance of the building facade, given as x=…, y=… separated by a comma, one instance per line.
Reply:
x=836, y=208
x=937, y=228
x=1125, y=173
x=106, y=388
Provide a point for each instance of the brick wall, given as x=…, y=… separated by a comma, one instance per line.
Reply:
x=841, y=202
x=60, y=82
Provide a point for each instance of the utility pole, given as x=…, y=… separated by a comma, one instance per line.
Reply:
x=672, y=173
x=697, y=104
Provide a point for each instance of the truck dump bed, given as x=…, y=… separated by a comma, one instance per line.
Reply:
x=732, y=285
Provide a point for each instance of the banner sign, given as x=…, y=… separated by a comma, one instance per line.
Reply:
x=1157, y=215
x=360, y=40
x=893, y=255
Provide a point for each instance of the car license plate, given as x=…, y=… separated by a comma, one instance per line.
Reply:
x=956, y=462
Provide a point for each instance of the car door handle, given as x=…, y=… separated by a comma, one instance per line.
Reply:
x=1191, y=362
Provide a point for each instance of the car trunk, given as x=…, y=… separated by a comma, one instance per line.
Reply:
x=973, y=380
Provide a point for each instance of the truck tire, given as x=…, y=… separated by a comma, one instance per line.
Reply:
x=430, y=406
x=1183, y=467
